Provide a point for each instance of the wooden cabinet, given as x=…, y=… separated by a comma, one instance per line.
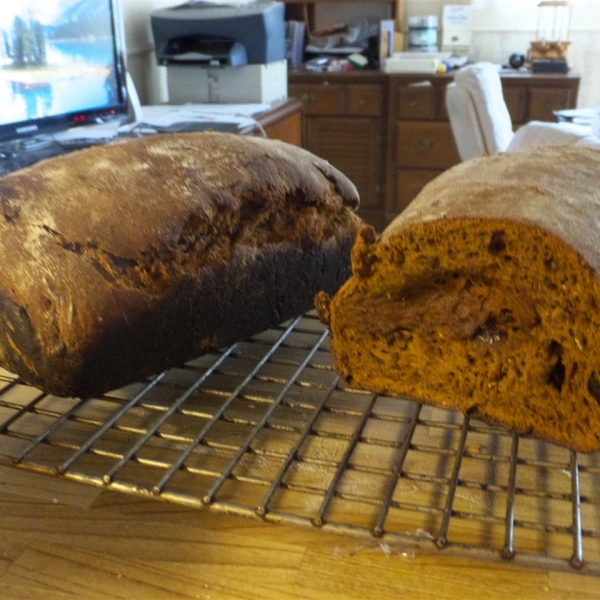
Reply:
x=390, y=133
x=516, y=102
x=335, y=140
x=422, y=144
x=344, y=118
x=320, y=98
x=536, y=97
x=544, y=101
x=283, y=121
x=364, y=99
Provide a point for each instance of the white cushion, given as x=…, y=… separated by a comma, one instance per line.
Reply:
x=482, y=82
x=542, y=133
x=463, y=117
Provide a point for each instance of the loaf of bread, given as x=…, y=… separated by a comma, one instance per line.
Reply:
x=484, y=296
x=122, y=260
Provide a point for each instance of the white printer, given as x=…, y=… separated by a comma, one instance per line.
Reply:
x=225, y=53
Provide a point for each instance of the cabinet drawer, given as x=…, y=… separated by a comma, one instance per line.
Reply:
x=543, y=101
x=516, y=102
x=415, y=102
x=409, y=182
x=365, y=100
x=426, y=145
x=320, y=99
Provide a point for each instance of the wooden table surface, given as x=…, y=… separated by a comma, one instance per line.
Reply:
x=60, y=539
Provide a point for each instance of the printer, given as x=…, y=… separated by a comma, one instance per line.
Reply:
x=226, y=53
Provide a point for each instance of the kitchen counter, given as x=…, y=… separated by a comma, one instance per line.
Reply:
x=60, y=539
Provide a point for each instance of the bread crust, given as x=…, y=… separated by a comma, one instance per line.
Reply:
x=553, y=188
x=125, y=259
x=484, y=296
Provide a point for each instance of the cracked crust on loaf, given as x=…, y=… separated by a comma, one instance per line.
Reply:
x=484, y=296
x=122, y=260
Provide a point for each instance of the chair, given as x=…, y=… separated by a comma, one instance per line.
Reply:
x=478, y=115
x=481, y=123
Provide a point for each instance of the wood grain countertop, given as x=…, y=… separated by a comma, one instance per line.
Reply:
x=63, y=540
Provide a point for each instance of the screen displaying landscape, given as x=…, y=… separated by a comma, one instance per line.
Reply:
x=56, y=57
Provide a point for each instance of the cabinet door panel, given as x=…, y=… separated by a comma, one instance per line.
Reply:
x=320, y=99
x=516, y=102
x=365, y=100
x=422, y=144
x=409, y=182
x=287, y=130
x=543, y=101
x=354, y=147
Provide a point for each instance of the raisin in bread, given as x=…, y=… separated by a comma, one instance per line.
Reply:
x=484, y=296
x=122, y=260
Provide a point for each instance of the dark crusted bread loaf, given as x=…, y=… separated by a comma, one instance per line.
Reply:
x=484, y=296
x=122, y=260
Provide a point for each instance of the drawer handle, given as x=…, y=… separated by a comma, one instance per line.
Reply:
x=412, y=103
x=307, y=98
x=425, y=144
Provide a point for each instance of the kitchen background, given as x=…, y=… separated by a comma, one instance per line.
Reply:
x=499, y=28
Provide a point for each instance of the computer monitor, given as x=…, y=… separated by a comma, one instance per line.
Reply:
x=61, y=65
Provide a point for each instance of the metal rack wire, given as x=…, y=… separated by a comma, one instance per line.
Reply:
x=267, y=429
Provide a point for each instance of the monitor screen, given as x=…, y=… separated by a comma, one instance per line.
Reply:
x=61, y=65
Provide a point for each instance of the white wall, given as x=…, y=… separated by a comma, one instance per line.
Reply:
x=141, y=61
x=500, y=27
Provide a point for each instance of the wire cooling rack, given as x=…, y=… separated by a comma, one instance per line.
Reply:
x=266, y=428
